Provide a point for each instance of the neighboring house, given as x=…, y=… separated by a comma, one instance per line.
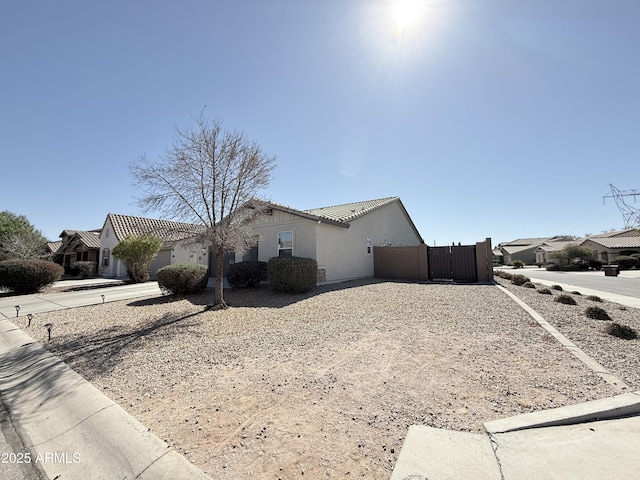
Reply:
x=609, y=246
x=523, y=249
x=78, y=246
x=51, y=252
x=179, y=245
x=340, y=238
x=547, y=251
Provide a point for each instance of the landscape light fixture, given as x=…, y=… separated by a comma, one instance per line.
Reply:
x=49, y=327
x=30, y=317
x=17, y=310
x=102, y=298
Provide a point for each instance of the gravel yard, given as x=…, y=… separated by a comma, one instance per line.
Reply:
x=620, y=357
x=323, y=385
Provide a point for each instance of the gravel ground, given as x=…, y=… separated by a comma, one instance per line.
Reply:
x=619, y=356
x=322, y=385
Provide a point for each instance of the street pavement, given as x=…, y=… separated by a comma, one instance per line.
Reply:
x=38, y=303
x=626, y=283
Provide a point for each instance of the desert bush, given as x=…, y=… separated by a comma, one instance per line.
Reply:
x=518, y=264
x=85, y=269
x=545, y=291
x=528, y=285
x=292, y=274
x=28, y=276
x=621, y=331
x=626, y=263
x=519, y=279
x=565, y=299
x=182, y=279
x=557, y=287
x=246, y=274
x=575, y=292
x=552, y=267
x=596, y=264
x=506, y=275
x=597, y=313
x=593, y=298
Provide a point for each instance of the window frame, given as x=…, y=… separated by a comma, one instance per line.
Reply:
x=279, y=243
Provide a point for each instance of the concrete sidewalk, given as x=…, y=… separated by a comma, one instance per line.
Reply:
x=592, y=440
x=67, y=428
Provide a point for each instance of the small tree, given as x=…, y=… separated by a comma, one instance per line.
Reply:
x=19, y=239
x=137, y=253
x=573, y=251
x=211, y=177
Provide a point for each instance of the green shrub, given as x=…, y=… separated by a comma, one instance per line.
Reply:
x=137, y=252
x=545, y=291
x=626, y=263
x=181, y=279
x=528, y=285
x=597, y=313
x=518, y=264
x=540, y=264
x=85, y=269
x=596, y=264
x=519, y=279
x=565, y=299
x=621, y=331
x=28, y=276
x=246, y=274
x=557, y=287
x=594, y=298
x=553, y=267
x=292, y=274
x=575, y=292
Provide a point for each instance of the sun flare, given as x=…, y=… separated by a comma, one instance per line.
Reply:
x=407, y=13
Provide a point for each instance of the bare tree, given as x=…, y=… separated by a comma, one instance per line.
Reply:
x=212, y=177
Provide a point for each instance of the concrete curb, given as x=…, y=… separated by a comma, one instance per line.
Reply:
x=72, y=430
x=624, y=405
x=605, y=374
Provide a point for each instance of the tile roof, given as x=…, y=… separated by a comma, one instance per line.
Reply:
x=167, y=230
x=90, y=239
x=616, y=242
x=629, y=232
x=53, y=247
x=350, y=211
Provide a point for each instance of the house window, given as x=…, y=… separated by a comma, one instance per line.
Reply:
x=106, y=253
x=285, y=244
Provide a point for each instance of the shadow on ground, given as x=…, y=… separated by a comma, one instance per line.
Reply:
x=99, y=353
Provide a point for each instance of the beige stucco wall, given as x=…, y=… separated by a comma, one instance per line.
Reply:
x=345, y=253
x=341, y=252
x=108, y=240
x=268, y=226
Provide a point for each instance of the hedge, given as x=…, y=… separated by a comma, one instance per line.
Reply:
x=292, y=274
x=28, y=276
x=181, y=279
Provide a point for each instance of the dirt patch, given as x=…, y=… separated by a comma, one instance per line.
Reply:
x=322, y=385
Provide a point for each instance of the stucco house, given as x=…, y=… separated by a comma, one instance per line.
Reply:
x=523, y=249
x=340, y=238
x=178, y=246
x=608, y=246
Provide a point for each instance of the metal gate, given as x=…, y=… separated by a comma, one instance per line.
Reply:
x=457, y=263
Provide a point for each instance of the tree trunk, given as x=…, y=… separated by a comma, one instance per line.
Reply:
x=218, y=298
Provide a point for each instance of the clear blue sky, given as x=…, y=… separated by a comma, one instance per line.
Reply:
x=488, y=118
